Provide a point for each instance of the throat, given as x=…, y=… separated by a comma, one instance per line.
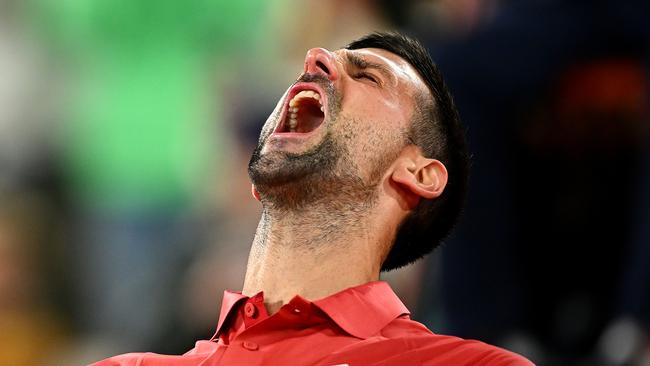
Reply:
x=298, y=256
x=314, y=229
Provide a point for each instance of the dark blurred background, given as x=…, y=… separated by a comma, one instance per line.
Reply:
x=126, y=127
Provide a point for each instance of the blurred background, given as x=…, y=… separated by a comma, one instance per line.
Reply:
x=126, y=127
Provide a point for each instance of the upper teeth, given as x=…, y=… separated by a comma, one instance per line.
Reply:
x=294, y=105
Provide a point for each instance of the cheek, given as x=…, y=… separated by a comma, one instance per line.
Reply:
x=274, y=118
x=372, y=146
x=380, y=109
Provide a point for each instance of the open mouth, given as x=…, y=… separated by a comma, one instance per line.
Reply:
x=305, y=113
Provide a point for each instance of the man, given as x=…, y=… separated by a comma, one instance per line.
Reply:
x=362, y=167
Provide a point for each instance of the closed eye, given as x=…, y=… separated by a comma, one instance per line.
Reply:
x=365, y=75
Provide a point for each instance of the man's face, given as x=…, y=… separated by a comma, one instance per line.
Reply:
x=338, y=128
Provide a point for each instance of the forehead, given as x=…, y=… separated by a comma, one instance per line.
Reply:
x=400, y=68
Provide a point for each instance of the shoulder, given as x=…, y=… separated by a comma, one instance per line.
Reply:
x=202, y=351
x=437, y=349
x=418, y=345
x=447, y=350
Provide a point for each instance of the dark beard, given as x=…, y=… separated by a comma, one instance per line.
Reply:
x=289, y=180
x=322, y=176
x=279, y=167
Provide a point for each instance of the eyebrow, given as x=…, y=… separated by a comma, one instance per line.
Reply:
x=361, y=63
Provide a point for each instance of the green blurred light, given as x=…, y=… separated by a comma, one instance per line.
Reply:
x=140, y=132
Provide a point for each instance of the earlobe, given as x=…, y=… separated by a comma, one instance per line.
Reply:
x=255, y=193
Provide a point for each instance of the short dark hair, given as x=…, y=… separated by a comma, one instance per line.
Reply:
x=437, y=130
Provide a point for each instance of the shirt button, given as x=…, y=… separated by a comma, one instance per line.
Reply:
x=251, y=346
x=250, y=310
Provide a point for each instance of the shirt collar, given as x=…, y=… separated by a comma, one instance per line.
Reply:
x=361, y=311
x=230, y=299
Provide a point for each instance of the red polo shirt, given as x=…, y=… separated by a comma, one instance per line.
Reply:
x=363, y=325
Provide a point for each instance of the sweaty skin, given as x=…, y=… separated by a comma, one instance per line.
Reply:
x=340, y=233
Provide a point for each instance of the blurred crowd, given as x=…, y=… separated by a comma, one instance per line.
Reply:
x=126, y=128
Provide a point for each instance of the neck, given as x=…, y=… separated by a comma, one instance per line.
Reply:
x=314, y=254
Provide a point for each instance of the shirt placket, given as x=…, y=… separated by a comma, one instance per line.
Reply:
x=262, y=332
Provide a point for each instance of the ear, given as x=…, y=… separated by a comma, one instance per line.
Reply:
x=422, y=177
x=254, y=192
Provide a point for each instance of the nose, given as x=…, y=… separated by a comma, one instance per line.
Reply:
x=321, y=61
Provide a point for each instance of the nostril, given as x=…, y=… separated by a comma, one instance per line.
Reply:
x=322, y=67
